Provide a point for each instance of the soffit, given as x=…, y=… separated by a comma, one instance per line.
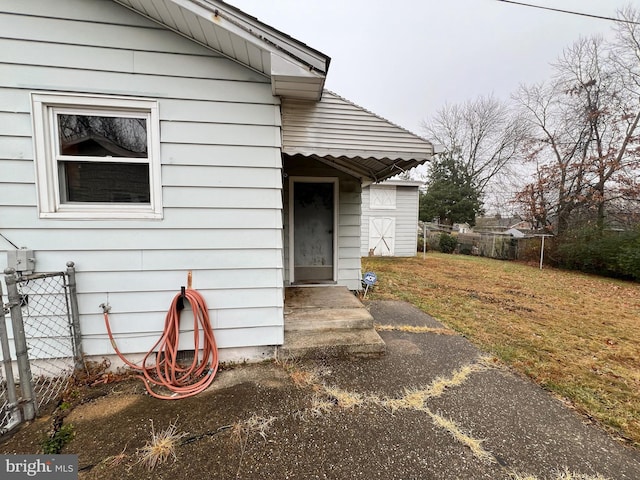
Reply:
x=296, y=70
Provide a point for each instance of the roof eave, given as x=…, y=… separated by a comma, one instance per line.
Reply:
x=295, y=69
x=313, y=59
x=290, y=80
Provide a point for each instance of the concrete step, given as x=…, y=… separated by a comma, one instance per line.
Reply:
x=327, y=318
x=320, y=297
x=331, y=343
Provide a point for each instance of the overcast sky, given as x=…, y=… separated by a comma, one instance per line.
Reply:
x=404, y=59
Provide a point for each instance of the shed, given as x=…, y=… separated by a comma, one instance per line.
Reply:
x=143, y=139
x=390, y=218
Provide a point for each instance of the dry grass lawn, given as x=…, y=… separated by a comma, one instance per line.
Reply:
x=576, y=335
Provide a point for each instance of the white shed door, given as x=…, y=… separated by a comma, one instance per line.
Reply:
x=382, y=232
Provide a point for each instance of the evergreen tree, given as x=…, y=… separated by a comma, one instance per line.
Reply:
x=451, y=195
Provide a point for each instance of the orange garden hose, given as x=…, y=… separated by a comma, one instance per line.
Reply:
x=182, y=381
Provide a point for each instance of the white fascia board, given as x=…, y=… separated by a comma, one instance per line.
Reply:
x=283, y=67
x=254, y=32
x=284, y=72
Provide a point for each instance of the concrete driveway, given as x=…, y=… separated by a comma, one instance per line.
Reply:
x=433, y=407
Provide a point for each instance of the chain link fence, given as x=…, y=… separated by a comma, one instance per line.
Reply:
x=49, y=333
x=10, y=415
x=9, y=412
x=46, y=336
x=5, y=407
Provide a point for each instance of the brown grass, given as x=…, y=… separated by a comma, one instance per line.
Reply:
x=343, y=398
x=161, y=447
x=242, y=430
x=414, y=329
x=574, y=334
x=415, y=398
x=256, y=424
x=454, y=429
x=564, y=475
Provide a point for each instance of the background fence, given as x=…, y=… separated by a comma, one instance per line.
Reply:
x=46, y=342
x=489, y=245
x=492, y=245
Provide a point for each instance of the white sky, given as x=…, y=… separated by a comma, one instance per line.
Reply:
x=404, y=59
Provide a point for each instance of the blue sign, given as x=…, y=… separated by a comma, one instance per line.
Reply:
x=370, y=278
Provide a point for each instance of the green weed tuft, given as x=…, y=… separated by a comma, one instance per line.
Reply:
x=54, y=444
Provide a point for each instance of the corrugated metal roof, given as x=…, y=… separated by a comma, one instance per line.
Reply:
x=349, y=137
x=295, y=69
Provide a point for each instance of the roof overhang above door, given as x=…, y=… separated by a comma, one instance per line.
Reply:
x=295, y=69
x=349, y=138
x=368, y=170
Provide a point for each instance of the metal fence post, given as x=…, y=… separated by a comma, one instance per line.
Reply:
x=75, y=316
x=6, y=361
x=22, y=356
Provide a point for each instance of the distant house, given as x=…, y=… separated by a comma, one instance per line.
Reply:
x=499, y=224
x=461, y=227
x=143, y=139
x=390, y=218
x=515, y=233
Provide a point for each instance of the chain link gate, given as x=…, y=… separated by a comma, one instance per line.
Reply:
x=9, y=412
x=46, y=335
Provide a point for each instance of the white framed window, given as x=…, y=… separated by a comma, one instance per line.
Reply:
x=96, y=157
x=382, y=197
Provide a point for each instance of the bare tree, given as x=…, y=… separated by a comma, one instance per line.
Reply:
x=625, y=56
x=584, y=121
x=625, y=51
x=484, y=135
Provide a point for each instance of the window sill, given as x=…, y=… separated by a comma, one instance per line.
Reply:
x=103, y=214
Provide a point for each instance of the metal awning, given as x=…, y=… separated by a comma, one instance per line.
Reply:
x=350, y=138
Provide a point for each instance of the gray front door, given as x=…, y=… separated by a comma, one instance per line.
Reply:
x=313, y=231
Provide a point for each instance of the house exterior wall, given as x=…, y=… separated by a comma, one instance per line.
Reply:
x=349, y=192
x=405, y=214
x=220, y=174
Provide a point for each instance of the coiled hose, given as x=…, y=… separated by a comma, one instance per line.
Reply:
x=166, y=372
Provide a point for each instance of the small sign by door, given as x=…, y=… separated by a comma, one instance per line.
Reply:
x=369, y=280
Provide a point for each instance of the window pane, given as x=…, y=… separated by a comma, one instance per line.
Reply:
x=88, y=135
x=105, y=182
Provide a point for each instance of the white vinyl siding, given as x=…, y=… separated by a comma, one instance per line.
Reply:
x=220, y=171
x=405, y=216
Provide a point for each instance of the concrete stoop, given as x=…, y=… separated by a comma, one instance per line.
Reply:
x=327, y=321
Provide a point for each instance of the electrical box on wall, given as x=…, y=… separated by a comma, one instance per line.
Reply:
x=22, y=260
